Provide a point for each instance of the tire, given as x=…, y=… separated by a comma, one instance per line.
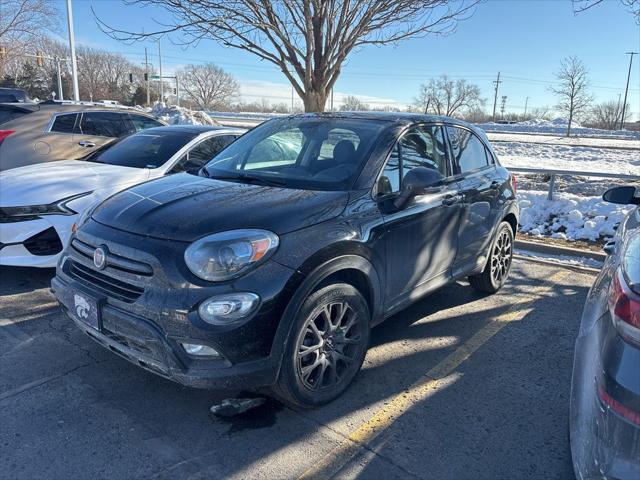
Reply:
x=321, y=358
x=498, y=265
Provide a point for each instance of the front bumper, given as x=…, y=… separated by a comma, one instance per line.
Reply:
x=147, y=317
x=35, y=243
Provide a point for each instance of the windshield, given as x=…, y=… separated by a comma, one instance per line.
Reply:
x=143, y=150
x=308, y=153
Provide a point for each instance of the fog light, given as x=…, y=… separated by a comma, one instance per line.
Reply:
x=224, y=309
x=199, y=350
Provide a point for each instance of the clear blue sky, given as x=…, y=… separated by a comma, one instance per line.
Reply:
x=523, y=39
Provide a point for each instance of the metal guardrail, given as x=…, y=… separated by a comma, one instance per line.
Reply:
x=553, y=173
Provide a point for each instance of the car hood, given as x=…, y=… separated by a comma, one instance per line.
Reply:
x=186, y=207
x=49, y=182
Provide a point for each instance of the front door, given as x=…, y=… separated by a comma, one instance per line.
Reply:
x=421, y=238
x=480, y=188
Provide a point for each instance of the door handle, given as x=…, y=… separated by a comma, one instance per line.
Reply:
x=451, y=199
x=86, y=144
x=495, y=185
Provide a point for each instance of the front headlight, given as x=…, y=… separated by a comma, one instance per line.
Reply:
x=56, y=208
x=227, y=255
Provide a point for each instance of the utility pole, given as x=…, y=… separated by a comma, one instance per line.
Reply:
x=161, y=79
x=146, y=69
x=177, y=92
x=332, y=99
x=72, y=47
x=495, y=97
x=526, y=103
x=59, y=76
x=626, y=90
x=292, y=99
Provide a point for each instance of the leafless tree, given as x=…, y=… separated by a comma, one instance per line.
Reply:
x=633, y=6
x=209, y=86
x=21, y=23
x=444, y=96
x=351, y=103
x=572, y=90
x=308, y=40
x=608, y=115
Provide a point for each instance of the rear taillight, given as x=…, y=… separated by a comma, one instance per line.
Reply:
x=618, y=407
x=5, y=133
x=514, y=183
x=624, y=306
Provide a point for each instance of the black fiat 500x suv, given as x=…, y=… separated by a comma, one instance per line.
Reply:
x=270, y=266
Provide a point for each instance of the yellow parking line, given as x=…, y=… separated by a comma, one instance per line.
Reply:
x=436, y=379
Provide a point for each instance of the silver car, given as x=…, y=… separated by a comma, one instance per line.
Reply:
x=605, y=392
x=50, y=131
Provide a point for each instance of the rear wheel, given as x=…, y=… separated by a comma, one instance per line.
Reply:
x=326, y=346
x=498, y=264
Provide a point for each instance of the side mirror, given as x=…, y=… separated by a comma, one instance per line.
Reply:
x=418, y=181
x=623, y=195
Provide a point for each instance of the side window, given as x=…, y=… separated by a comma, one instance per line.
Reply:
x=277, y=150
x=103, y=124
x=490, y=158
x=140, y=122
x=423, y=147
x=389, y=181
x=469, y=153
x=202, y=153
x=64, y=123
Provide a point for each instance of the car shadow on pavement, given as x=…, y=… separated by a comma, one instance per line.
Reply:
x=15, y=280
x=117, y=417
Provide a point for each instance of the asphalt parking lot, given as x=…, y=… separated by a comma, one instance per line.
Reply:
x=458, y=386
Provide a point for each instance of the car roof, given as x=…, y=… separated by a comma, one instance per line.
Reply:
x=401, y=118
x=195, y=129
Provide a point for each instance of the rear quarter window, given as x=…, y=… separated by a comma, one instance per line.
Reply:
x=64, y=123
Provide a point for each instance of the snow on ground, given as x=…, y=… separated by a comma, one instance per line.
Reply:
x=608, y=142
x=569, y=217
x=173, y=115
x=556, y=126
x=562, y=259
x=565, y=157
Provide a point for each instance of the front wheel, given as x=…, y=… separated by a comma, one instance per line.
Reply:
x=498, y=265
x=325, y=348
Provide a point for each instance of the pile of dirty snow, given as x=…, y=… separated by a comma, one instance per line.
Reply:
x=174, y=115
x=557, y=126
x=569, y=217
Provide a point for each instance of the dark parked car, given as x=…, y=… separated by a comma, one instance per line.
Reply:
x=271, y=265
x=605, y=392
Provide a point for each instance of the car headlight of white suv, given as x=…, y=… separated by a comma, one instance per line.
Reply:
x=30, y=212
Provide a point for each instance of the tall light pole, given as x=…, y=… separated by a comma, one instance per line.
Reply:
x=72, y=47
x=495, y=97
x=161, y=79
x=626, y=90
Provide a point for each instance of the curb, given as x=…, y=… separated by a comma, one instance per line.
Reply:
x=558, y=250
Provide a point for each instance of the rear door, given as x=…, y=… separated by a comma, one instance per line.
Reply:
x=420, y=239
x=479, y=185
x=97, y=129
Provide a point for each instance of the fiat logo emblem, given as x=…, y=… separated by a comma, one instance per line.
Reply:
x=100, y=257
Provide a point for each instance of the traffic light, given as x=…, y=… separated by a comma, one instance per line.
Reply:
x=175, y=91
x=146, y=77
x=3, y=52
x=131, y=78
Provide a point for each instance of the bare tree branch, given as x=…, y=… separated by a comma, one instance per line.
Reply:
x=308, y=40
x=633, y=6
x=209, y=86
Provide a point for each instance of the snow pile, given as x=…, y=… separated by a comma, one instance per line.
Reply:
x=568, y=216
x=174, y=115
x=556, y=126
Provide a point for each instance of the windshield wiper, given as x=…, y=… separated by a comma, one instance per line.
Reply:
x=243, y=177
